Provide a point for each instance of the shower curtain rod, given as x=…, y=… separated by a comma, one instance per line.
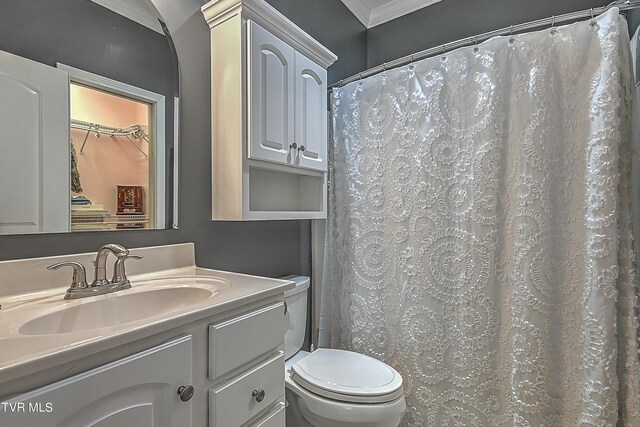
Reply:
x=513, y=29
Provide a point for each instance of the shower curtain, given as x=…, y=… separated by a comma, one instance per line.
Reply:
x=479, y=234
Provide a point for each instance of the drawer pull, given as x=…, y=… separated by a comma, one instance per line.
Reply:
x=259, y=395
x=186, y=392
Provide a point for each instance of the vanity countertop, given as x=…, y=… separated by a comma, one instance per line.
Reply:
x=24, y=351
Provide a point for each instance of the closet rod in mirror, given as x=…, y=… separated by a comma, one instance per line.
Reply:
x=133, y=131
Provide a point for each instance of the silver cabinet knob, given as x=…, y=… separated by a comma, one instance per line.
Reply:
x=301, y=148
x=293, y=146
x=259, y=395
x=186, y=392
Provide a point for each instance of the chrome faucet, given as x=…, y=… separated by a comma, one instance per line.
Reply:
x=100, y=285
x=100, y=278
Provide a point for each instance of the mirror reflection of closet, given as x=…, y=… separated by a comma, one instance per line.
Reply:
x=110, y=137
x=117, y=169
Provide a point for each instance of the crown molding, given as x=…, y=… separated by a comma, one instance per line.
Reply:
x=393, y=9
x=131, y=9
x=259, y=11
x=360, y=9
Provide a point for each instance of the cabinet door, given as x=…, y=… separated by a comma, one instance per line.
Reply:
x=35, y=159
x=311, y=114
x=140, y=390
x=271, y=96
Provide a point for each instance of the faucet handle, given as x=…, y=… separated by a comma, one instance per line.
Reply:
x=79, y=280
x=119, y=275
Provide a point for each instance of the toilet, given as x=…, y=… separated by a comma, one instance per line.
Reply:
x=335, y=388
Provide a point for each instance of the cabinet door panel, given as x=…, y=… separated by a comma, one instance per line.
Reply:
x=271, y=96
x=139, y=390
x=311, y=114
x=34, y=119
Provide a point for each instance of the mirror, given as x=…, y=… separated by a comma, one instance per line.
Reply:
x=89, y=94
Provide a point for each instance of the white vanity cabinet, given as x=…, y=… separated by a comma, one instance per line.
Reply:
x=139, y=390
x=269, y=114
x=234, y=364
x=212, y=357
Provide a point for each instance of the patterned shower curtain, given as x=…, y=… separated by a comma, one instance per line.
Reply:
x=479, y=234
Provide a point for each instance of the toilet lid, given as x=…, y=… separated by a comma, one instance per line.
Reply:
x=347, y=376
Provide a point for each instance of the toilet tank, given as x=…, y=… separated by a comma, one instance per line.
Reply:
x=296, y=316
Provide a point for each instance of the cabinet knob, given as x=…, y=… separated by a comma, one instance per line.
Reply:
x=293, y=146
x=259, y=395
x=301, y=148
x=186, y=392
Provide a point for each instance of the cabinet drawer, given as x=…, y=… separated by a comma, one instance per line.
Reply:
x=274, y=418
x=240, y=340
x=233, y=403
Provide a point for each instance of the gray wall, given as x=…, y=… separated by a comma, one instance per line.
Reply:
x=332, y=24
x=85, y=35
x=451, y=20
x=271, y=248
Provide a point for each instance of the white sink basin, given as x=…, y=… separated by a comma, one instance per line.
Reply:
x=145, y=300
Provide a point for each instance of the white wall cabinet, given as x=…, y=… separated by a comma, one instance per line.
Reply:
x=311, y=114
x=269, y=114
x=271, y=96
x=288, y=103
x=140, y=390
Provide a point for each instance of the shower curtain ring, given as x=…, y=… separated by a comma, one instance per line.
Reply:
x=593, y=23
x=475, y=44
x=553, y=23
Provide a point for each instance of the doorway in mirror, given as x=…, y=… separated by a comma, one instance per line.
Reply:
x=118, y=136
x=110, y=142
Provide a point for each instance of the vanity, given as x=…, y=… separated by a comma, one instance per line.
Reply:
x=184, y=346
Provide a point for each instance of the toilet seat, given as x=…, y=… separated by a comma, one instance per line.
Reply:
x=348, y=377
